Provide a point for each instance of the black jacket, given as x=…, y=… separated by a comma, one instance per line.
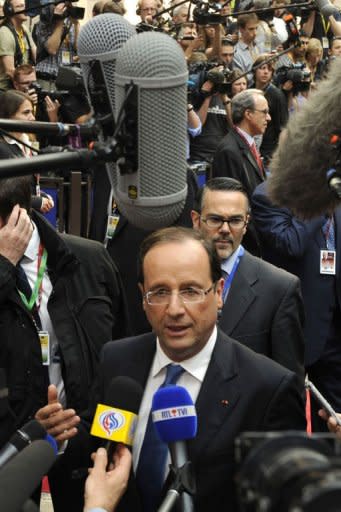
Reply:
x=87, y=309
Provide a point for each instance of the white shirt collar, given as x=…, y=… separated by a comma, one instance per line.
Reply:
x=195, y=366
x=247, y=136
x=32, y=250
x=228, y=263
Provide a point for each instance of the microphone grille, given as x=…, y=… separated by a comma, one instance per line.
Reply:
x=165, y=57
x=103, y=35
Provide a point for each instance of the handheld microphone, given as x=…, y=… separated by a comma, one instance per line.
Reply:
x=306, y=152
x=20, y=477
x=175, y=420
x=24, y=436
x=150, y=187
x=115, y=421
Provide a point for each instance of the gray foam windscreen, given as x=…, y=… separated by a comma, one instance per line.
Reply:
x=98, y=43
x=156, y=64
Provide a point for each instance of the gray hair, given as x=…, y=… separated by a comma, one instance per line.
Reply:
x=243, y=101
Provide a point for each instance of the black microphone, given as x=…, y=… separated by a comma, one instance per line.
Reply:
x=24, y=436
x=306, y=152
x=150, y=187
x=90, y=129
x=116, y=419
x=20, y=477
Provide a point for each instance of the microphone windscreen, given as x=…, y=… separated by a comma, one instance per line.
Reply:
x=21, y=475
x=116, y=419
x=300, y=164
x=31, y=431
x=154, y=194
x=174, y=414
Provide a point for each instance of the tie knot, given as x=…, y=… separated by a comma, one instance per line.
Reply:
x=173, y=373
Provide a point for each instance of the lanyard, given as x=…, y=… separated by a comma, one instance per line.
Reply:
x=42, y=260
x=228, y=281
x=326, y=26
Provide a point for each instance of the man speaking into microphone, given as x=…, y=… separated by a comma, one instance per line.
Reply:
x=234, y=389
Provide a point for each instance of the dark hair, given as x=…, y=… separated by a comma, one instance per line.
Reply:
x=244, y=19
x=14, y=191
x=219, y=184
x=10, y=102
x=23, y=69
x=179, y=235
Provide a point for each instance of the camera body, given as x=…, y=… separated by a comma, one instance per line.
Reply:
x=288, y=472
x=200, y=72
x=297, y=73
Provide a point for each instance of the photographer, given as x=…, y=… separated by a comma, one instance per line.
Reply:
x=25, y=80
x=211, y=105
x=56, y=36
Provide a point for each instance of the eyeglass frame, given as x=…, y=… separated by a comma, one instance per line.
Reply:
x=223, y=220
x=168, y=295
x=264, y=111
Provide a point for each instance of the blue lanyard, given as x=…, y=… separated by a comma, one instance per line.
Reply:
x=228, y=281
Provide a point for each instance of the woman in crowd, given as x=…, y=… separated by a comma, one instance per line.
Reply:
x=18, y=106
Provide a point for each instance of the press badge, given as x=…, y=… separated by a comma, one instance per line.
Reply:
x=113, y=220
x=328, y=262
x=66, y=57
x=44, y=338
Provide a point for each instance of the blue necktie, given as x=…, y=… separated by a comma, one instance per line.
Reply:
x=153, y=456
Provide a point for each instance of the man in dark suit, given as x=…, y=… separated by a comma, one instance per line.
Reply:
x=237, y=155
x=298, y=247
x=263, y=308
x=234, y=389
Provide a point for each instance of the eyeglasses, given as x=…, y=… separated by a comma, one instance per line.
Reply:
x=265, y=111
x=216, y=222
x=227, y=54
x=190, y=295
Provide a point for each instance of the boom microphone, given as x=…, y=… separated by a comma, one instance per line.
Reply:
x=175, y=419
x=326, y=8
x=20, y=477
x=24, y=436
x=306, y=152
x=116, y=419
x=150, y=188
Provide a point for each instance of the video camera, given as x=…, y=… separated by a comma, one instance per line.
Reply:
x=200, y=72
x=297, y=73
x=288, y=472
x=208, y=13
x=69, y=82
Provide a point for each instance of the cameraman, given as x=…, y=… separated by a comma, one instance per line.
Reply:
x=24, y=80
x=212, y=108
x=56, y=36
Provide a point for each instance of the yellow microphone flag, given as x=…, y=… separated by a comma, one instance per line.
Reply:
x=114, y=424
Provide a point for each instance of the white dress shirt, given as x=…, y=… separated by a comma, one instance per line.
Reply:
x=29, y=263
x=191, y=379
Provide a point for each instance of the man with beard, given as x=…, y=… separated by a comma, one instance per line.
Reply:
x=263, y=306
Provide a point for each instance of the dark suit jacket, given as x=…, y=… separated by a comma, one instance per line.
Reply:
x=242, y=391
x=264, y=311
x=233, y=159
x=295, y=245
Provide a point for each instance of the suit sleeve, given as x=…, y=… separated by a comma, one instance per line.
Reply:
x=287, y=330
x=278, y=227
x=226, y=163
x=285, y=410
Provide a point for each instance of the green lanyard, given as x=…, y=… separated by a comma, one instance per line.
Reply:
x=42, y=266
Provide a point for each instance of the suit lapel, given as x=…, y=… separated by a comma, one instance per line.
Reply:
x=241, y=295
x=218, y=394
x=246, y=151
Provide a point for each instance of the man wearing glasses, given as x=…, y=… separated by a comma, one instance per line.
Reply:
x=263, y=307
x=233, y=388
